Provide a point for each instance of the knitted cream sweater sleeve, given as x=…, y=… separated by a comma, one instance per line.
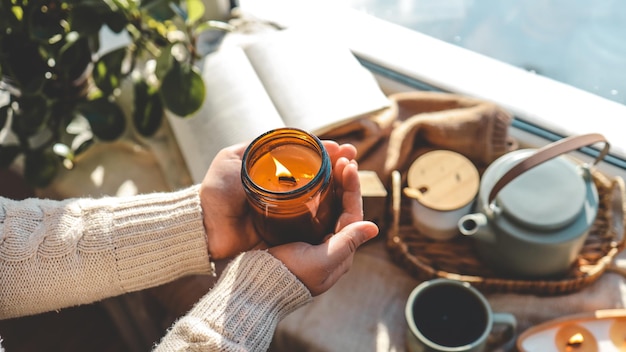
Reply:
x=242, y=311
x=56, y=254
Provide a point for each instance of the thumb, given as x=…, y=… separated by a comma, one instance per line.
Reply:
x=336, y=255
x=343, y=245
x=320, y=267
x=339, y=251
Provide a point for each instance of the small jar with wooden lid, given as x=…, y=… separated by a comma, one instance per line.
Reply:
x=442, y=185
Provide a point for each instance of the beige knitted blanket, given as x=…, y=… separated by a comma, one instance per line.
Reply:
x=418, y=121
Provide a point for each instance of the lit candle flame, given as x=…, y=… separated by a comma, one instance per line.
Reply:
x=283, y=174
x=572, y=337
x=575, y=340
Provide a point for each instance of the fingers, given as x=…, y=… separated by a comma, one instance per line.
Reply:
x=347, y=151
x=338, y=169
x=336, y=151
x=331, y=147
x=231, y=153
x=350, y=193
x=237, y=149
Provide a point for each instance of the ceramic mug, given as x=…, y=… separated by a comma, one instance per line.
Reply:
x=448, y=315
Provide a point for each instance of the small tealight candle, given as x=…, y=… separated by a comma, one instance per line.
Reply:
x=287, y=176
x=575, y=338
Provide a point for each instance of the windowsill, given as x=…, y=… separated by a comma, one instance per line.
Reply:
x=404, y=59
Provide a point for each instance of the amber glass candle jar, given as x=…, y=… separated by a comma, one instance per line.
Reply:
x=287, y=176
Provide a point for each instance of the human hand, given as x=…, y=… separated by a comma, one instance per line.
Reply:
x=226, y=214
x=319, y=267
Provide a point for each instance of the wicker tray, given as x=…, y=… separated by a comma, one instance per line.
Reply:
x=427, y=259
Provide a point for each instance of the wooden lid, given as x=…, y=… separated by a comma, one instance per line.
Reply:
x=443, y=180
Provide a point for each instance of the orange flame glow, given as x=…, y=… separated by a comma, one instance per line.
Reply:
x=281, y=170
x=283, y=174
x=575, y=340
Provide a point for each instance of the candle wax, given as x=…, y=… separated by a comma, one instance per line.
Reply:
x=302, y=163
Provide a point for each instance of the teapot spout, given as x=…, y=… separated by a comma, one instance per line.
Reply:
x=475, y=225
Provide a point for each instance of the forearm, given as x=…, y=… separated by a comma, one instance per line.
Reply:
x=55, y=254
x=241, y=312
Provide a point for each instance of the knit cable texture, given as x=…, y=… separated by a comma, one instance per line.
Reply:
x=243, y=309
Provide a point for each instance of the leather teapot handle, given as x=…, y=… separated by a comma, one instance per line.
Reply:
x=548, y=152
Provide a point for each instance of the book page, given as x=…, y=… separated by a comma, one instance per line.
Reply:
x=315, y=82
x=236, y=109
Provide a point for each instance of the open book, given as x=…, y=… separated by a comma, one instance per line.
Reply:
x=293, y=78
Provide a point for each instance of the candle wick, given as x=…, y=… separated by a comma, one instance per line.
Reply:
x=287, y=179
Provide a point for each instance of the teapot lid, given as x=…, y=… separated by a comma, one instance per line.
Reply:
x=547, y=197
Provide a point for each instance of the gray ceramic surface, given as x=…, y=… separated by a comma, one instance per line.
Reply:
x=538, y=222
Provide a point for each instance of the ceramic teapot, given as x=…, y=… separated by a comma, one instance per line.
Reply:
x=534, y=209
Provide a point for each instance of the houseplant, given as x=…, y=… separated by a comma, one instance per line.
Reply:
x=61, y=93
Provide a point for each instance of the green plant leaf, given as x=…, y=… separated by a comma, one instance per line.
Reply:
x=118, y=14
x=116, y=21
x=46, y=22
x=4, y=115
x=10, y=15
x=213, y=25
x=182, y=89
x=40, y=167
x=148, y=110
x=18, y=12
x=8, y=153
x=195, y=11
x=83, y=146
x=31, y=115
x=164, y=62
x=107, y=73
x=160, y=10
x=63, y=150
x=74, y=56
x=106, y=119
x=22, y=62
x=88, y=19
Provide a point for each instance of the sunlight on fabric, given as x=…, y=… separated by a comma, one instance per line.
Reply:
x=383, y=342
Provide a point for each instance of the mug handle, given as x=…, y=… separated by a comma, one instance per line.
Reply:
x=548, y=152
x=509, y=335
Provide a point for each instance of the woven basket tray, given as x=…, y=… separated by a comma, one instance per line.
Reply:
x=455, y=259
